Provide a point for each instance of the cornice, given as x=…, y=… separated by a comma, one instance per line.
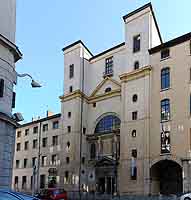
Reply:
x=12, y=47
x=136, y=74
x=8, y=119
x=91, y=99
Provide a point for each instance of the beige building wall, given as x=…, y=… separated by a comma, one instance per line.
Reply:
x=31, y=152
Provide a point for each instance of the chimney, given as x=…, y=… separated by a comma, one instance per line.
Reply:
x=49, y=113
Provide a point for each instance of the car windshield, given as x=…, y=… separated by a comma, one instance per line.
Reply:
x=25, y=196
x=8, y=196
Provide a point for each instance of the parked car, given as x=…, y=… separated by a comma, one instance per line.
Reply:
x=11, y=195
x=52, y=194
x=186, y=196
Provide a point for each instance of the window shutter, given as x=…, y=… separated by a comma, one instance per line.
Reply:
x=1, y=87
x=13, y=100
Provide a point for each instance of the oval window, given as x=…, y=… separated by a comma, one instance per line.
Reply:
x=108, y=89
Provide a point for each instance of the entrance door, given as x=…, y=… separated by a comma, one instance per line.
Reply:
x=166, y=176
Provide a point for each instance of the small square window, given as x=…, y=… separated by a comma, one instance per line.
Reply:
x=69, y=129
x=26, y=132
x=165, y=53
x=55, y=125
x=45, y=127
x=134, y=115
x=134, y=153
x=136, y=43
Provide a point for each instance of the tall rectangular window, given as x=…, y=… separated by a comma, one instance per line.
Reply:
x=134, y=115
x=54, y=140
x=165, y=109
x=34, y=161
x=136, y=43
x=26, y=146
x=54, y=159
x=69, y=129
x=165, y=142
x=165, y=53
x=44, y=161
x=109, y=66
x=35, y=143
x=25, y=162
x=18, y=134
x=133, y=164
x=1, y=87
x=71, y=71
x=13, y=99
x=44, y=142
x=35, y=129
x=18, y=146
x=42, y=181
x=165, y=78
x=24, y=182
x=17, y=164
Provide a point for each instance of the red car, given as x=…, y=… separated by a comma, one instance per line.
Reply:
x=52, y=194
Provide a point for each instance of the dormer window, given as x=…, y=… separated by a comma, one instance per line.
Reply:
x=136, y=43
x=165, y=53
x=108, y=66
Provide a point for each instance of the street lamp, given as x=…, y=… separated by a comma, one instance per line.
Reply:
x=34, y=84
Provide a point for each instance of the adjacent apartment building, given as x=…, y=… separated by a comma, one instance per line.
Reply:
x=9, y=55
x=126, y=114
x=34, y=164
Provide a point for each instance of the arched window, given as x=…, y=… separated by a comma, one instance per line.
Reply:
x=165, y=109
x=134, y=98
x=136, y=65
x=165, y=78
x=108, y=90
x=108, y=124
x=92, y=151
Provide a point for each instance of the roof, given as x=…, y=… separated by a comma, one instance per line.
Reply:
x=108, y=50
x=40, y=120
x=75, y=43
x=171, y=43
x=148, y=5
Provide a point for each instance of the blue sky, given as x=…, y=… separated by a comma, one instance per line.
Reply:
x=44, y=27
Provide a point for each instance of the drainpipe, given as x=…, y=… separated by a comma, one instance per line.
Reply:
x=39, y=154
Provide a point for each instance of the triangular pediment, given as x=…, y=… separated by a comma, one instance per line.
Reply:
x=106, y=83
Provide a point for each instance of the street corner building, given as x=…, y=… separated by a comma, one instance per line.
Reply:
x=9, y=55
x=126, y=113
